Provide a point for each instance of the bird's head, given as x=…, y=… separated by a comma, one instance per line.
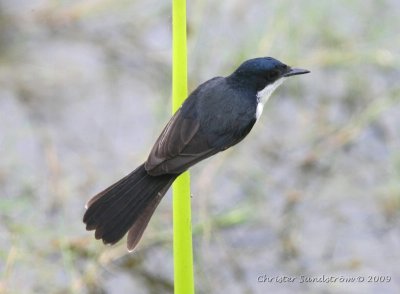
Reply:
x=264, y=71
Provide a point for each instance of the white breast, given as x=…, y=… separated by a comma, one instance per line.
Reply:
x=264, y=94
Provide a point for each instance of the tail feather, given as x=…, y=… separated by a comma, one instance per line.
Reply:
x=115, y=211
x=120, y=218
x=105, y=197
x=102, y=193
x=126, y=206
x=137, y=229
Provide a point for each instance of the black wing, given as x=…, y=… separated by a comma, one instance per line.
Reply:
x=200, y=129
x=180, y=145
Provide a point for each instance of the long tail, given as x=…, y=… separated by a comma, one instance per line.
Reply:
x=126, y=206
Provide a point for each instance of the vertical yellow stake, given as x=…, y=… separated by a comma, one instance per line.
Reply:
x=183, y=252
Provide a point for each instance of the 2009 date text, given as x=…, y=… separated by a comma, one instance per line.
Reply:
x=323, y=279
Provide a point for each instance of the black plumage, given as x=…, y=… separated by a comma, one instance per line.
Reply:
x=216, y=116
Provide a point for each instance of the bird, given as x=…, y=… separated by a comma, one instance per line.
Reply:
x=215, y=116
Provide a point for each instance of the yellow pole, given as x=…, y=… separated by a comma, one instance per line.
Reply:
x=183, y=252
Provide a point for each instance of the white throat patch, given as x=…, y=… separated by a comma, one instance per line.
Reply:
x=264, y=94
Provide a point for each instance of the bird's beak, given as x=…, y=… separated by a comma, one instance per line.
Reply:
x=295, y=71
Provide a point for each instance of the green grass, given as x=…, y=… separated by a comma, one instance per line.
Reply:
x=183, y=251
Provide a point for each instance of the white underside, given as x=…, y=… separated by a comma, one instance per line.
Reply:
x=264, y=94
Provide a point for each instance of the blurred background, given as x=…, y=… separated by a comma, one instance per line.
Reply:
x=313, y=190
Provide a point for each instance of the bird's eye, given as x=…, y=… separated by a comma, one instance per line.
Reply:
x=273, y=74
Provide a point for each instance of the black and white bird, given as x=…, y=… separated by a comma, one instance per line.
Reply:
x=215, y=116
